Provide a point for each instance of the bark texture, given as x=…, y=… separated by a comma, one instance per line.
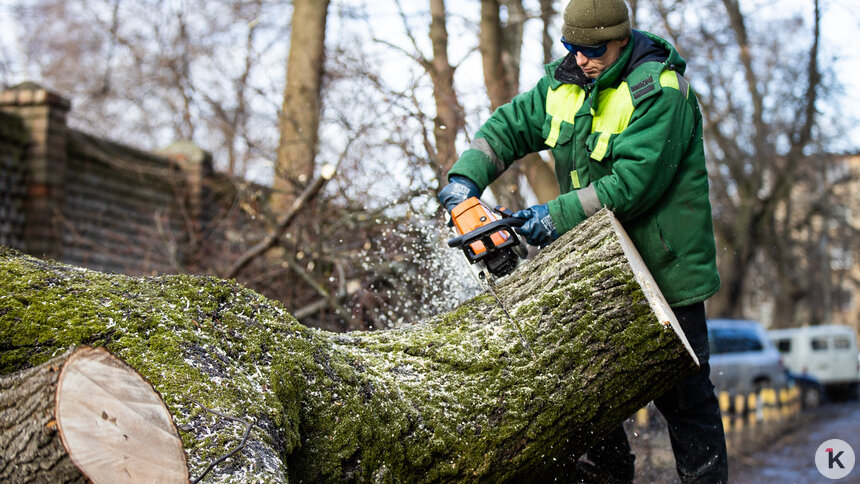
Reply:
x=450, y=118
x=29, y=441
x=456, y=397
x=500, y=45
x=85, y=416
x=300, y=112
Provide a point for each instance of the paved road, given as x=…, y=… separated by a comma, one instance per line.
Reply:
x=791, y=458
x=788, y=458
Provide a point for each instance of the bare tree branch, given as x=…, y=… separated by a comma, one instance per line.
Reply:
x=272, y=239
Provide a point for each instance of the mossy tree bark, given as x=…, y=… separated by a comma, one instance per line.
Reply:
x=455, y=397
x=85, y=416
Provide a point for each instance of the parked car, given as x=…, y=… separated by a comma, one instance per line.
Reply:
x=827, y=352
x=743, y=359
x=811, y=390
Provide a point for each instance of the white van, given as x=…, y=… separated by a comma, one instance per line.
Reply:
x=827, y=352
x=743, y=360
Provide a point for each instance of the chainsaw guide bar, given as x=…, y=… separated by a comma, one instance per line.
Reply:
x=488, y=240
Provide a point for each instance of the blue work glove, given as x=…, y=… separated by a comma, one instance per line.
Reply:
x=458, y=190
x=539, y=228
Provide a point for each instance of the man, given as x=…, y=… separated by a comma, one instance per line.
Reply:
x=626, y=134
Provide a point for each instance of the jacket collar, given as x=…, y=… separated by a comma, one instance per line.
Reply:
x=643, y=47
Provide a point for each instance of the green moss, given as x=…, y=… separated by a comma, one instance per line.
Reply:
x=454, y=398
x=191, y=337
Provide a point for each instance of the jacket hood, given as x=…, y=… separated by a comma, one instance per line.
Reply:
x=643, y=47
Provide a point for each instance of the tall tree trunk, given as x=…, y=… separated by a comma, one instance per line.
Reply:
x=734, y=263
x=85, y=416
x=300, y=113
x=450, y=119
x=547, y=14
x=500, y=52
x=634, y=12
x=457, y=397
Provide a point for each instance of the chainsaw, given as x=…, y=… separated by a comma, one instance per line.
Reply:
x=489, y=242
x=487, y=237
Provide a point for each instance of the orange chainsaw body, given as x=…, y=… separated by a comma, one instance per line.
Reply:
x=487, y=236
x=473, y=214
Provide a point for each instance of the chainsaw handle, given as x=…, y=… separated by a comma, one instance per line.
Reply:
x=492, y=227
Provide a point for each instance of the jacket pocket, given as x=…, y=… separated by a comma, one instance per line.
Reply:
x=556, y=131
x=599, y=145
x=652, y=243
x=563, y=152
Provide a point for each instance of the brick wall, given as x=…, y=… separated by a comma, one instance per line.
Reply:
x=88, y=201
x=43, y=114
x=120, y=210
x=13, y=141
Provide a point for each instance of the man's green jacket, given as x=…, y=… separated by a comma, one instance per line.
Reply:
x=630, y=141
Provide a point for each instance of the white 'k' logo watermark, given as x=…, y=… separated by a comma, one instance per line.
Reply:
x=834, y=459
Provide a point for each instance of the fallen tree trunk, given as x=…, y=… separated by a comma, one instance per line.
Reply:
x=86, y=416
x=455, y=397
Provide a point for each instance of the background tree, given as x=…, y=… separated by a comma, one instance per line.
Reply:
x=300, y=115
x=449, y=121
x=501, y=43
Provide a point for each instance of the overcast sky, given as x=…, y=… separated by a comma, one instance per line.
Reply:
x=840, y=28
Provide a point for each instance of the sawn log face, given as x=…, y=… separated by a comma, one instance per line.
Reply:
x=85, y=416
x=455, y=397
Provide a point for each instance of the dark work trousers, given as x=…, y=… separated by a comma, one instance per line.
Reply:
x=692, y=413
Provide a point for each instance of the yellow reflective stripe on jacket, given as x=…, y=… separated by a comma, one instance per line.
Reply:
x=612, y=116
x=613, y=113
x=574, y=180
x=602, y=146
x=669, y=79
x=614, y=109
x=674, y=80
x=562, y=104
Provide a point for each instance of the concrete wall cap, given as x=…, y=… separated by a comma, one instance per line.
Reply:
x=29, y=93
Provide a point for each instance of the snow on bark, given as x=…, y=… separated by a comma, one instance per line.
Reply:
x=453, y=397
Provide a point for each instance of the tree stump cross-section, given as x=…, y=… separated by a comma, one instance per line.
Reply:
x=83, y=416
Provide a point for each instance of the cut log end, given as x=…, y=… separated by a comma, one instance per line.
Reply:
x=101, y=416
x=113, y=424
x=649, y=286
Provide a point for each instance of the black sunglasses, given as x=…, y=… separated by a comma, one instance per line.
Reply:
x=590, y=51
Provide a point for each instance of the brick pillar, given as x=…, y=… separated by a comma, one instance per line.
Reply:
x=196, y=166
x=44, y=115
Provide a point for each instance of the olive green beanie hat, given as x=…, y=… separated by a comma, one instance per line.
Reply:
x=590, y=22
